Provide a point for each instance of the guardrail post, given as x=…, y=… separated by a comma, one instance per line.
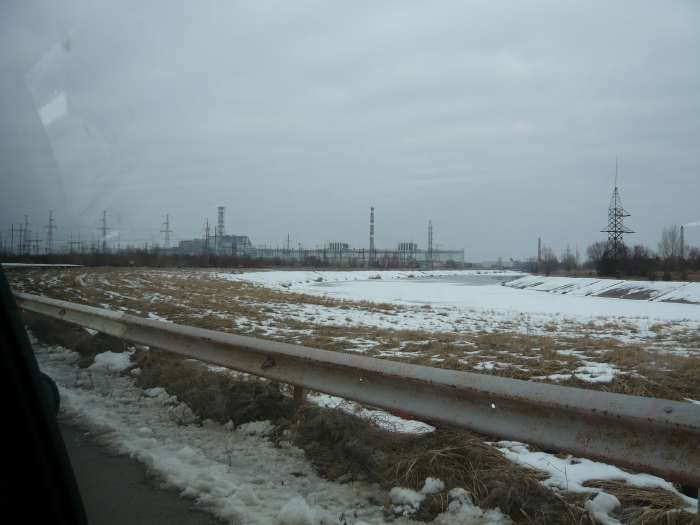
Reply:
x=299, y=395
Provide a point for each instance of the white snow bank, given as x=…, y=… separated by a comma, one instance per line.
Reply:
x=583, y=286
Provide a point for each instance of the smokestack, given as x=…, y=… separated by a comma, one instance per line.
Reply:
x=682, y=242
x=539, y=252
x=220, y=225
x=370, y=260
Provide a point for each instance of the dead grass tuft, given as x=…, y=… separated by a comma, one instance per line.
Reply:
x=216, y=396
x=342, y=446
x=645, y=505
x=462, y=459
x=60, y=333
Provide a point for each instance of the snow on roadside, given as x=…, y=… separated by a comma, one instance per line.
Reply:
x=235, y=473
x=570, y=473
x=112, y=361
x=379, y=417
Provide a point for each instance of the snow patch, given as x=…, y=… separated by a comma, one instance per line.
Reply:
x=601, y=507
x=405, y=501
x=112, y=361
x=432, y=486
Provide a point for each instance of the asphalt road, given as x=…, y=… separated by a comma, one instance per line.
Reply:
x=116, y=489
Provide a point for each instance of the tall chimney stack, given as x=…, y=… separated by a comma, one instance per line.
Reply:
x=370, y=259
x=220, y=225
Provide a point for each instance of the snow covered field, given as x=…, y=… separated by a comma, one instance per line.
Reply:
x=461, y=301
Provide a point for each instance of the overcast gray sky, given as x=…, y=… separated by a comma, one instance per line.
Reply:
x=500, y=121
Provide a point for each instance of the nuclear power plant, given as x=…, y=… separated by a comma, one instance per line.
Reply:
x=337, y=253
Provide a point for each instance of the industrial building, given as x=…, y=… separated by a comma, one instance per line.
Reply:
x=407, y=254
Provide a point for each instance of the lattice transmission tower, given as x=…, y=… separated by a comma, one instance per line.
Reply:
x=166, y=231
x=616, y=223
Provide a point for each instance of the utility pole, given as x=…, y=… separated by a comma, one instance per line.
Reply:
x=104, y=230
x=12, y=238
x=50, y=227
x=77, y=243
x=25, y=236
x=166, y=230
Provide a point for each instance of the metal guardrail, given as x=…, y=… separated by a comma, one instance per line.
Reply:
x=644, y=434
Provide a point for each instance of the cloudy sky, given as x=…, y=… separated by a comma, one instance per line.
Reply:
x=498, y=121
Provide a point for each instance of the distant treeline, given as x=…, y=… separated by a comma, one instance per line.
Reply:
x=165, y=259
x=674, y=260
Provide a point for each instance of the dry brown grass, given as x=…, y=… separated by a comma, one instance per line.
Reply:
x=342, y=445
x=646, y=505
x=190, y=297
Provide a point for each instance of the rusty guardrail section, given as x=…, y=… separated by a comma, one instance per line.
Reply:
x=644, y=434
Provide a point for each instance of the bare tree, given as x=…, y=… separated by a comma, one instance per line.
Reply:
x=597, y=251
x=549, y=260
x=568, y=260
x=670, y=244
